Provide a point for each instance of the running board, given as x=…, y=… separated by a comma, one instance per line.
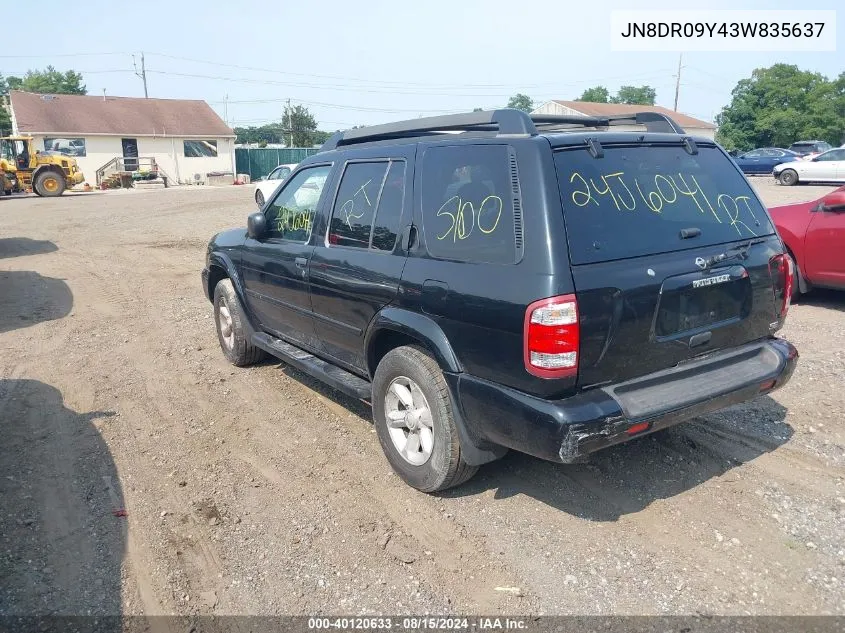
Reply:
x=332, y=375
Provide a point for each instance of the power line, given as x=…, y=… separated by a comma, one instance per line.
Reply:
x=348, y=88
x=389, y=83
x=52, y=55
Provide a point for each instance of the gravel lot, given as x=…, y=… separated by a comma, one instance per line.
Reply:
x=257, y=491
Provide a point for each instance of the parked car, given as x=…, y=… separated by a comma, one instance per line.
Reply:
x=642, y=285
x=267, y=186
x=809, y=149
x=814, y=234
x=763, y=160
x=827, y=167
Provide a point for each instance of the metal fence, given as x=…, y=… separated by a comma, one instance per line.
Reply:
x=259, y=162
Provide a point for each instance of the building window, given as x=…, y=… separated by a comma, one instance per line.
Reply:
x=65, y=146
x=198, y=149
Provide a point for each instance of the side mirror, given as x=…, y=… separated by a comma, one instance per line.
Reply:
x=256, y=225
x=832, y=203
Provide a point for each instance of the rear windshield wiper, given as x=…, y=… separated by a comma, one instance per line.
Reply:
x=737, y=252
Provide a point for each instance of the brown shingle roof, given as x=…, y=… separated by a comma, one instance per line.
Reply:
x=78, y=114
x=590, y=108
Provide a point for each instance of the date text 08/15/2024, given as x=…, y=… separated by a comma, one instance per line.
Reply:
x=418, y=624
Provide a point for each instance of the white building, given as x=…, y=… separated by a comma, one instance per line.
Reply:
x=691, y=125
x=186, y=139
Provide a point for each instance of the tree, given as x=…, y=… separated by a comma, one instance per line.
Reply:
x=319, y=137
x=599, y=94
x=782, y=104
x=49, y=81
x=640, y=95
x=5, y=117
x=270, y=133
x=521, y=102
x=300, y=126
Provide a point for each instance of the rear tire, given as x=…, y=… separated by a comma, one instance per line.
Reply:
x=259, y=198
x=49, y=184
x=408, y=381
x=788, y=177
x=231, y=333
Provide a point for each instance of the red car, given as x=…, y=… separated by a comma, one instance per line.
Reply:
x=814, y=234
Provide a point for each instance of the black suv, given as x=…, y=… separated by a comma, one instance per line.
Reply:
x=496, y=280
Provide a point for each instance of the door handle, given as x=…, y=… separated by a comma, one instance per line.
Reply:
x=300, y=262
x=409, y=236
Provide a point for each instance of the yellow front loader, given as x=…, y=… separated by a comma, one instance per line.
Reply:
x=45, y=173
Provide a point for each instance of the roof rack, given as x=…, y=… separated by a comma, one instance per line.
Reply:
x=653, y=121
x=505, y=122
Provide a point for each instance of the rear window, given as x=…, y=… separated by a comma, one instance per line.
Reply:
x=636, y=201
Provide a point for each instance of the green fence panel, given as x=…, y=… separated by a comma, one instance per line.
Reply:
x=260, y=161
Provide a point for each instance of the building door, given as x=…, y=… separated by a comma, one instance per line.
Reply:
x=130, y=153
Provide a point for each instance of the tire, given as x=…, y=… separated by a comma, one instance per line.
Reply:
x=236, y=347
x=418, y=373
x=259, y=198
x=49, y=184
x=788, y=177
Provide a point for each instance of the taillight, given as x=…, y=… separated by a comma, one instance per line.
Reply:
x=782, y=270
x=552, y=337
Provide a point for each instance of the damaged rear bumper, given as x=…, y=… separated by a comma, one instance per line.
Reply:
x=567, y=430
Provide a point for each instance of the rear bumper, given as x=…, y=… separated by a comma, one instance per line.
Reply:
x=566, y=430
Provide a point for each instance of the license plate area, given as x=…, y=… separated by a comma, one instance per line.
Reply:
x=698, y=301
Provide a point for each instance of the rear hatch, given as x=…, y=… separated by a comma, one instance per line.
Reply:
x=671, y=255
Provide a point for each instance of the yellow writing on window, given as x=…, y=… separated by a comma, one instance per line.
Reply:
x=464, y=216
x=289, y=220
x=659, y=193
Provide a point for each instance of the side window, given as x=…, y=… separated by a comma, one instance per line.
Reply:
x=389, y=212
x=355, y=205
x=467, y=204
x=276, y=174
x=757, y=153
x=291, y=213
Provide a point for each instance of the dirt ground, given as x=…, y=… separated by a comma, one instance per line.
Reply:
x=257, y=491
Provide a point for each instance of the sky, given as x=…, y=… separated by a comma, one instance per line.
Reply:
x=373, y=61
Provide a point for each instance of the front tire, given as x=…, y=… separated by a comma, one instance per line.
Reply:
x=412, y=411
x=49, y=184
x=259, y=198
x=788, y=177
x=231, y=333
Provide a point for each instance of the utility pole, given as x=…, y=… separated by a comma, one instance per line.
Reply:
x=678, y=81
x=142, y=74
x=290, y=124
x=226, y=109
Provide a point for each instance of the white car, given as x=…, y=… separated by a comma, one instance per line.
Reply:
x=826, y=167
x=264, y=189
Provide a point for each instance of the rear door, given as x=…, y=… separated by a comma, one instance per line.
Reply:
x=750, y=162
x=828, y=165
x=669, y=253
x=357, y=263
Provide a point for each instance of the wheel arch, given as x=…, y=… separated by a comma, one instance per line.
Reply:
x=393, y=327
x=221, y=266
x=40, y=169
